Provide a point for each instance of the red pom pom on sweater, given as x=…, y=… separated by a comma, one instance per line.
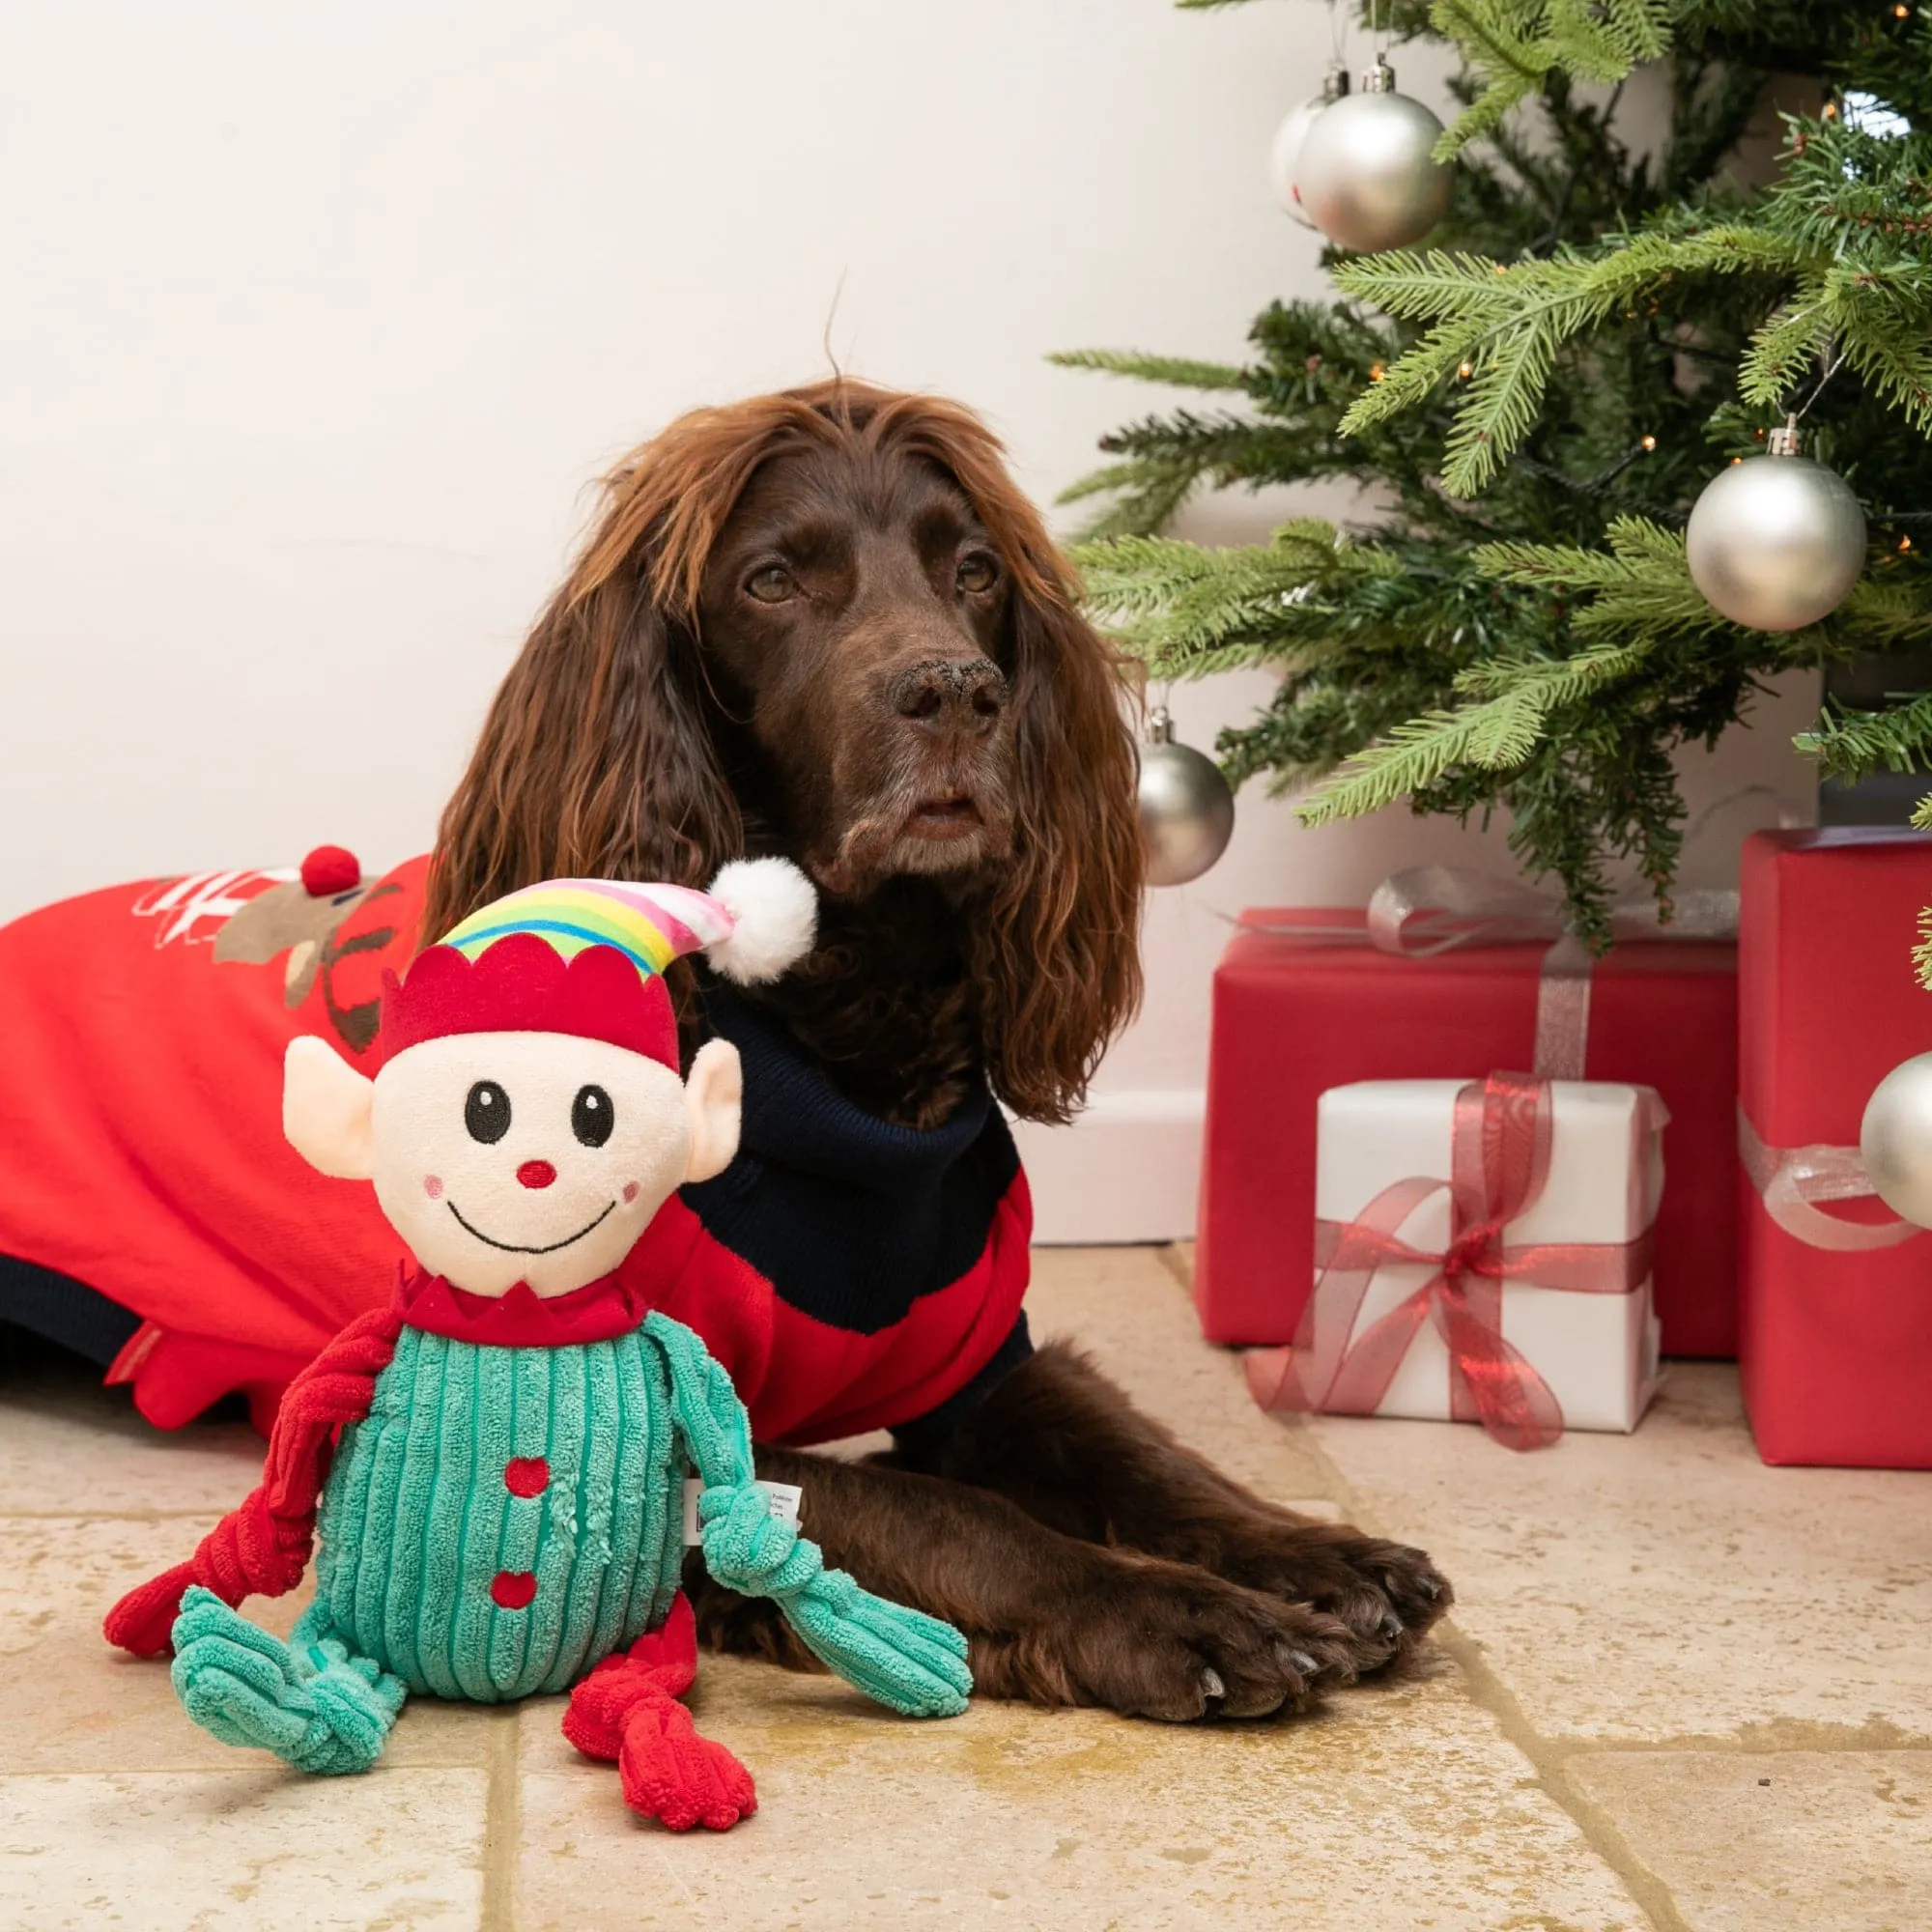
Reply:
x=330, y=869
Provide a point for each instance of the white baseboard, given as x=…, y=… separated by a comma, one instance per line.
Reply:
x=1127, y=1169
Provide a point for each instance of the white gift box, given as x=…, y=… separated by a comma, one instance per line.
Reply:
x=1597, y=1351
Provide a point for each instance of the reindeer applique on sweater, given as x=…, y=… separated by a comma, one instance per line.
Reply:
x=494, y=1464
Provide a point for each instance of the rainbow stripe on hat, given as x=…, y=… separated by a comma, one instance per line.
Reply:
x=586, y=956
x=651, y=926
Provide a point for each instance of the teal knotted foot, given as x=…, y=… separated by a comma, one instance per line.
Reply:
x=312, y=1703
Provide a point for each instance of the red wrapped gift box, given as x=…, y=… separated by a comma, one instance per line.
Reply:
x=1836, y=1345
x=1295, y=1016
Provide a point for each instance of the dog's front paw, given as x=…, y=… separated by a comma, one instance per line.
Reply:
x=1156, y=1639
x=1386, y=1594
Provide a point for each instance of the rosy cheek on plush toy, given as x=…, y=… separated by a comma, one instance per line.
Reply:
x=496, y=1463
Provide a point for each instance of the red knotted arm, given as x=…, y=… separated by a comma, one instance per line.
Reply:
x=263, y=1548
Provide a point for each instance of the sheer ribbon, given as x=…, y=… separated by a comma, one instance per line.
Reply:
x=1498, y=1164
x=1790, y=1179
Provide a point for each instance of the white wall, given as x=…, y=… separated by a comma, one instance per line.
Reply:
x=317, y=322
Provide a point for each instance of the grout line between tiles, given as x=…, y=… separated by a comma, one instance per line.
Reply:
x=1547, y=1757
x=502, y=1817
x=1780, y=1738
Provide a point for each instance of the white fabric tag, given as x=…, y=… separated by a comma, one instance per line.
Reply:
x=783, y=1497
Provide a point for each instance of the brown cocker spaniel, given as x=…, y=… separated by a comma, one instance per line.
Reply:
x=824, y=623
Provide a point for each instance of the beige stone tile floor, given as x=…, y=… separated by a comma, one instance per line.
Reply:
x=1678, y=1691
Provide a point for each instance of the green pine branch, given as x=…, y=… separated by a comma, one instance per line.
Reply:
x=1513, y=46
x=1492, y=733
x=1179, y=371
x=1794, y=336
x=1187, y=612
x=1852, y=744
x=1640, y=582
x=1509, y=321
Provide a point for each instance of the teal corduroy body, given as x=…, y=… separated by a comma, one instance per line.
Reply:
x=418, y=1522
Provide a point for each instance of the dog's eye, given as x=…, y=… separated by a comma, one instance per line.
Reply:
x=486, y=1112
x=591, y=1116
x=977, y=573
x=771, y=585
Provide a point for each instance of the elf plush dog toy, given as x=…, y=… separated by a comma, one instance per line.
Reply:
x=494, y=1463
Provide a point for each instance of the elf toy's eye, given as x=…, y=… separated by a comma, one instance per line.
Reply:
x=591, y=1116
x=486, y=1112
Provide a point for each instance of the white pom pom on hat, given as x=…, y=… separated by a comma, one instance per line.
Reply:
x=774, y=919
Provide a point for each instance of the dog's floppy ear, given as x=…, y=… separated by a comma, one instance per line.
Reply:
x=596, y=760
x=1058, y=959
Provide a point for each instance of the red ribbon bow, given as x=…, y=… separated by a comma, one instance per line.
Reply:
x=1499, y=1161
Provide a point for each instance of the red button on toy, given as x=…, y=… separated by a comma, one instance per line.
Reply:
x=526, y=1475
x=513, y=1589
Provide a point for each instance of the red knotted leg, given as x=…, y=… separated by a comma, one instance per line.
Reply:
x=669, y=1772
x=627, y=1708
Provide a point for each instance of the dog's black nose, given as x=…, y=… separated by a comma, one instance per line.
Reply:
x=962, y=697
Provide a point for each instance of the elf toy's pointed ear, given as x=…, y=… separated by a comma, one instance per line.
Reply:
x=325, y=1108
x=714, y=1094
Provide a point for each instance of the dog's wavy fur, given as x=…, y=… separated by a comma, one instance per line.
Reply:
x=597, y=758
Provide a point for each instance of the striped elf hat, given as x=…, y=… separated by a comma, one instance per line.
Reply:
x=586, y=956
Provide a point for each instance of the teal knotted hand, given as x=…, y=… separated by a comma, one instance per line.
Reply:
x=902, y=1657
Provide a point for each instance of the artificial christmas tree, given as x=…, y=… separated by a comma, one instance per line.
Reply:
x=1540, y=394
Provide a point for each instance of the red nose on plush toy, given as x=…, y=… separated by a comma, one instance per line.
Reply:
x=536, y=1173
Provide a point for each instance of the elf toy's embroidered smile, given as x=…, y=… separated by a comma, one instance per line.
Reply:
x=518, y=1248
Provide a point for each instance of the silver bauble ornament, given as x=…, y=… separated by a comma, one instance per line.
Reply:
x=1777, y=541
x=1895, y=1140
x=1188, y=811
x=1367, y=175
x=1285, y=151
